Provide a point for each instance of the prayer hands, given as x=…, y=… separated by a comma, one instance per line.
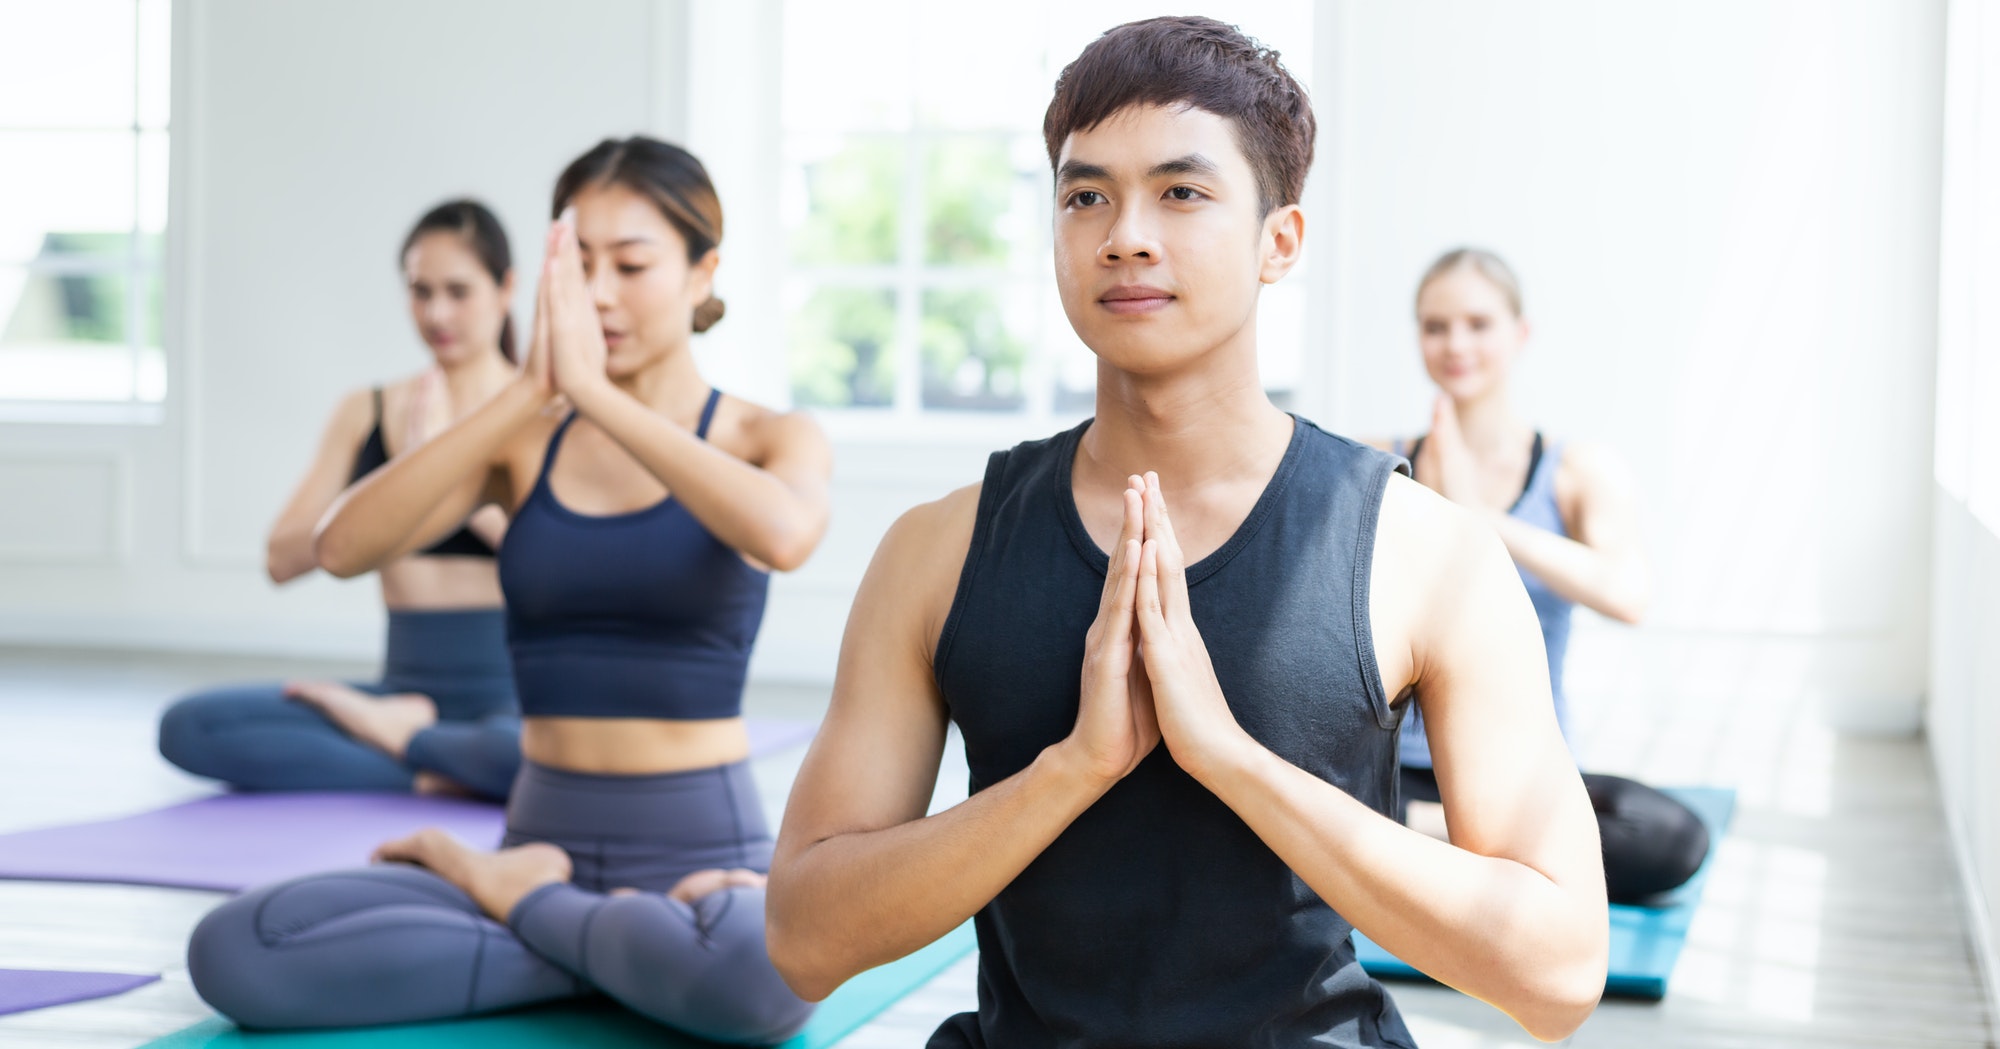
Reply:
x=1194, y=718
x=576, y=335
x=1115, y=724
x=566, y=351
x=1146, y=673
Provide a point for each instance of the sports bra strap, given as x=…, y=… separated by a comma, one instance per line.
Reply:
x=555, y=439
x=378, y=405
x=708, y=412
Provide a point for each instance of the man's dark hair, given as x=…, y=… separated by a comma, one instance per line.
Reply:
x=1197, y=62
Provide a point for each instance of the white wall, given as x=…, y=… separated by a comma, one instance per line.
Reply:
x=1725, y=218
x=307, y=137
x=1963, y=720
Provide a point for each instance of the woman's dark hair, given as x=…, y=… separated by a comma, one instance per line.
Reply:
x=1198, y=62
x=475, y=224
x=665, y=174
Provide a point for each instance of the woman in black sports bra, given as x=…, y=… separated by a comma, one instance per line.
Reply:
x=442, y=716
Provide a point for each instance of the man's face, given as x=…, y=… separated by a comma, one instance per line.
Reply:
x=1160, y=245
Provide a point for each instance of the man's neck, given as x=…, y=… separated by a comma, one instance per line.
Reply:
x=1209, y=422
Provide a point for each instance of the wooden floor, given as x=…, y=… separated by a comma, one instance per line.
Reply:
x=1832, y=917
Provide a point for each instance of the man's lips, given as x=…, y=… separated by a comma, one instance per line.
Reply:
x=1135, y=298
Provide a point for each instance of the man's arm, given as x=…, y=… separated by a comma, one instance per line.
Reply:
x=861, y=876
x=1512, y=910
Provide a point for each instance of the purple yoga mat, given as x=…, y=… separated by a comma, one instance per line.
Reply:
x=231, y=842
x=25, y=989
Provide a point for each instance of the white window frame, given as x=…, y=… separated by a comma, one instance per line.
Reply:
x=143, y=272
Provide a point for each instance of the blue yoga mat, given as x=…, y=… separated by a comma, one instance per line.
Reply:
x=1645, y=941
x=596, y=1023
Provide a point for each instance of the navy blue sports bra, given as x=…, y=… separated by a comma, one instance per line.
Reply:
x=637, y=615
x=374, y=452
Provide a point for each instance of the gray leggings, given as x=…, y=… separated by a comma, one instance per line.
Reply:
x=398, y=944
x=255, y=738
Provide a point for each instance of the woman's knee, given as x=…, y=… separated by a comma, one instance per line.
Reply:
x=1686, y=843
x=228, y=962
x=724, y=987
x=1652, y=842
x=186, y=734
x=750, y=1002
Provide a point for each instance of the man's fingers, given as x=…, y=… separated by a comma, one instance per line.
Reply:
x=1171, y=563
x=1133, y=524
x=1151, y=617
x=1130, y=578
x=1112, y=573
x=1130, y=529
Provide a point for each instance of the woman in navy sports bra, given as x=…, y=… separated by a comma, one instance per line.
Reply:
x=441, y=718
x=1568, y=514
x=647, y=511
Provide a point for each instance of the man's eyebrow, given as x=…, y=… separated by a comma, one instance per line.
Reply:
x=1077, y=171
x=1192, y=164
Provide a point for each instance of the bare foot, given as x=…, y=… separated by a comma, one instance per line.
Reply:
x=387, y=723
x=500, y=880
x=497, y=881
x=702, y=883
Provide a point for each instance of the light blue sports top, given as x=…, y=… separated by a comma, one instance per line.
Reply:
x=1536, y=506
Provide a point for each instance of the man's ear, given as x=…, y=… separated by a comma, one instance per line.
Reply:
x=1281, y=243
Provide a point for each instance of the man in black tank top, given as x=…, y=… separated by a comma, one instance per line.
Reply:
x=1181, y=726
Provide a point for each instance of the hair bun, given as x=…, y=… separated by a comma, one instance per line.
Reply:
x=706, y=314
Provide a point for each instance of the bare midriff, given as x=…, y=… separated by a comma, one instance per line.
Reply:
x=633, y=746
x=429, y=584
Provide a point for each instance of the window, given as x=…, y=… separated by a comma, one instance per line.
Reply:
x=83, y=169
x=917, y=203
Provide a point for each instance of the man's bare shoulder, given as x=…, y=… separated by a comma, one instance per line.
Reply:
x=1426, y=530
x=917, y=564
x=1432, y=558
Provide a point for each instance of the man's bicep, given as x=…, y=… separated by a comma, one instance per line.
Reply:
x=1509, y=786
x=874, y=762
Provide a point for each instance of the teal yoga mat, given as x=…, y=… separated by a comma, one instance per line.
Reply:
x=593, y=1024
x=1645, y=941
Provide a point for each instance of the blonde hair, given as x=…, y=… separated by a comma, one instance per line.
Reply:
x=1480, y=261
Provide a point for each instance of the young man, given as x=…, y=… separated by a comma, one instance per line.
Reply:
x=1181, y=724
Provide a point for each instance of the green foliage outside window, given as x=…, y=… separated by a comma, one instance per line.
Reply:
x=843, y=339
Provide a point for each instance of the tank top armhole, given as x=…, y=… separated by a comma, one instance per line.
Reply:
x=982, y=526
x=1364, y=570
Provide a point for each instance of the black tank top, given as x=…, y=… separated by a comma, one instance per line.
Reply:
x=1158, y=918
x=374, y=452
